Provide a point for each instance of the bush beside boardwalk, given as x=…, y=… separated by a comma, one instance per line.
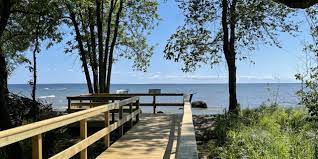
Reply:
x=265, y=132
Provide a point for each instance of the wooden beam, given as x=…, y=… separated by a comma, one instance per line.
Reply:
x=73, y=150
x=154, y=104
x=23, y=132
x=83, y=136
x=121, y=128
x=130, y=111
x=187, y=146
x=137, y=107
x=162, y=104
x=107, y=136
x=37, y=147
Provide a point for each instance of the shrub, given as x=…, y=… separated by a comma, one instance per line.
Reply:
x=266, y=132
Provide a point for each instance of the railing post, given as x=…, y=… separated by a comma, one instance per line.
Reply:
x=113, y=117
x=107, y=139
x=83, y=135
x=130, y=113
x=37, y=147
x=154, y=104
x=137, y=107
x=69, y=103
x=121, y=128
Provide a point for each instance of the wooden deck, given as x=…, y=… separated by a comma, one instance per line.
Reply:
x=155, y=136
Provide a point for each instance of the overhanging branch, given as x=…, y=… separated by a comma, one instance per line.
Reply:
x=301, y=4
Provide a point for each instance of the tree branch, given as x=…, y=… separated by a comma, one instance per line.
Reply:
x=300, y=4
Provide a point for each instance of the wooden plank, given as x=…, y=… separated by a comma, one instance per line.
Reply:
x=130, y=111
x=151, y=138
x=97, y=98
x=93, y=104
x=102, y=95
x=107, y=137
x=187, y=146
x=73, y=150
x=121, y=129
x=137, y=107
x=20, y=133
x=162, y=104
x=111, y=111
x=154, y=104
x=37, y=147
x=83, y=136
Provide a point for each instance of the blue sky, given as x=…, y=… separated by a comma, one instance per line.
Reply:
x=271, y=64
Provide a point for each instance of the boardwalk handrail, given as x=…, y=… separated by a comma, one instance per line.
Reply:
x=187, y=146
x=97, y=99
x=36, y=129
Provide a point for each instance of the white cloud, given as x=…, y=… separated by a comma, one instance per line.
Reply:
x=160, y=77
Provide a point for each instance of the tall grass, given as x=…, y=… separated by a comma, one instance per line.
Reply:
x=265, y=132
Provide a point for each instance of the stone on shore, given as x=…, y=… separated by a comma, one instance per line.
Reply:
x=199, y=104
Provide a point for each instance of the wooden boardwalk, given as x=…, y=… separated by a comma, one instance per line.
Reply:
x=155, y=136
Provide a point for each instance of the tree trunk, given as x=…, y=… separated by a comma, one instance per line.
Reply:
x=233, y=105
x=107, y=54
x=13, y=151
x=93, y=51
x=82, y=51
x=5, y=6
x=111, y=51
x=100, y=46
x=34, y=76
x=34, y=111
x=229, y=51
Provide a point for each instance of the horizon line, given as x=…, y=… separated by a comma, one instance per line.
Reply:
x=171, y=83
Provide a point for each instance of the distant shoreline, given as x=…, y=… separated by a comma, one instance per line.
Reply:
x=158, y=83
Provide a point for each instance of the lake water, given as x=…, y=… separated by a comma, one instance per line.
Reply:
x=215, y=95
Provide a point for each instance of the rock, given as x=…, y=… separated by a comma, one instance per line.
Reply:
x=160, y=112
x=199, y=104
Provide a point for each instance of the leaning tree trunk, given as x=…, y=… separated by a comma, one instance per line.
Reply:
x=81, y=51
x=112, y=47
x=13, y=151
x=93, y=51
x=107, y=60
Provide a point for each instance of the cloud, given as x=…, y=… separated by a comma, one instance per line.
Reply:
x=160, y=77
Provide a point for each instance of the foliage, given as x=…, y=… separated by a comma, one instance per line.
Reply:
x=139, y=18
x=309, y=78
x=21, y=114
x=25, y=18
x=199, y=40
x=309, y=94
x=265, y=132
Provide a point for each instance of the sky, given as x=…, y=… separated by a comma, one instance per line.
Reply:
x=270, y=64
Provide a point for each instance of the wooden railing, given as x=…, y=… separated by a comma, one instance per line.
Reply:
x=186, y=145
x=35, y=130
x=91, y=100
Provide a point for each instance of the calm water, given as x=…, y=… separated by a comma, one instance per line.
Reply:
x=215, y=95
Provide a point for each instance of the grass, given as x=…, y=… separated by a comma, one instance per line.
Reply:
x=265, y=132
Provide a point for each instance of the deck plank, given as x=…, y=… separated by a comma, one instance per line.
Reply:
x=153, y=137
